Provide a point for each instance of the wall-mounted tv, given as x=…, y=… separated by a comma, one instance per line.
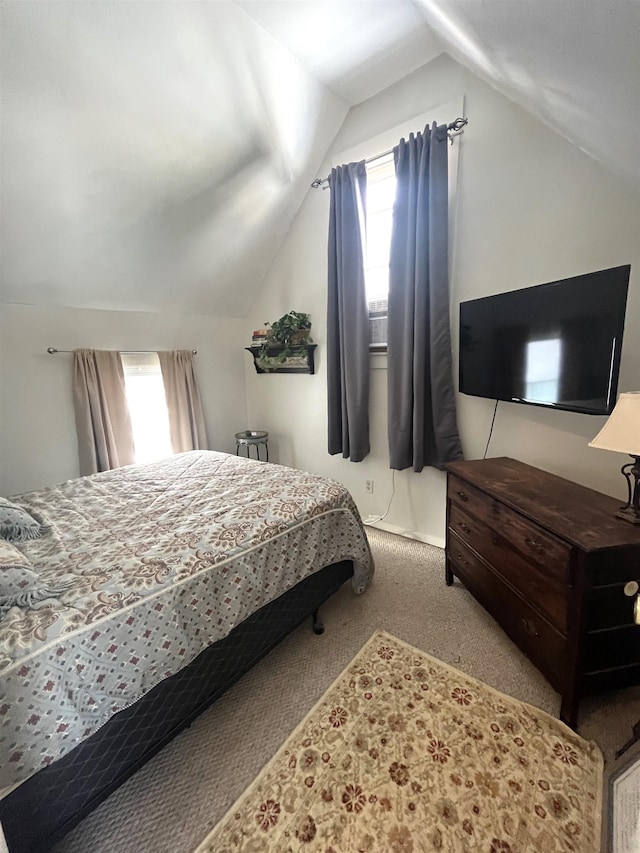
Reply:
x=556, y=344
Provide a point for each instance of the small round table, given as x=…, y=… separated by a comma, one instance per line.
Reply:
x=253, y=438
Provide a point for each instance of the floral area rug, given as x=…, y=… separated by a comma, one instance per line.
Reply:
x=404, y=753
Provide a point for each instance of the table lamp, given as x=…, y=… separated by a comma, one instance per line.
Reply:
x=621, y=433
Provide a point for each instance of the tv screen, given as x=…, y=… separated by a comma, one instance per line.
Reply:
x=556, y=345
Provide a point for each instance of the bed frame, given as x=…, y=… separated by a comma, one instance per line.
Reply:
x=49, y=804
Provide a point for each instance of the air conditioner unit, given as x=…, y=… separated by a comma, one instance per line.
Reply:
x=377, y=331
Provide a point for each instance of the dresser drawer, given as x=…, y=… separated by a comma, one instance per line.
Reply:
x=539, y=640
x=545, y=594
x=551, y=555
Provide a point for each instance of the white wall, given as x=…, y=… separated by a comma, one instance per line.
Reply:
x=531, y=208
x=38, y=444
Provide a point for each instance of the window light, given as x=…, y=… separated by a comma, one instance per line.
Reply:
x=381, y=192
x=147, y=406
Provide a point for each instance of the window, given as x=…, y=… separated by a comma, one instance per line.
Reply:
x=381, y=192
x=147, y=406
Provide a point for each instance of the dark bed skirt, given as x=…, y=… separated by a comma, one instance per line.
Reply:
x=48, y=805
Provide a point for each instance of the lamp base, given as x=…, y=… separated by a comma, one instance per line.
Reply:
x=627, y=513
x=631, y=510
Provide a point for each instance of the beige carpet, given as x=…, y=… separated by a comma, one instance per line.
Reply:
x=176, y=799
x=404, y=753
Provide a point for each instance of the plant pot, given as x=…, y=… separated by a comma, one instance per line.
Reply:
x=299, y=338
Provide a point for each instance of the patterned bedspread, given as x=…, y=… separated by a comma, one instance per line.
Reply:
x=157, y=562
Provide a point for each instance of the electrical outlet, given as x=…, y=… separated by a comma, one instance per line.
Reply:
x=368, y=486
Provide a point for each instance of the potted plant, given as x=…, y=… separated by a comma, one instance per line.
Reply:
x=291, y=329
x=286, y=333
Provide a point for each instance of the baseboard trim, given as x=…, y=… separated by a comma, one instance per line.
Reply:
x=438, y=541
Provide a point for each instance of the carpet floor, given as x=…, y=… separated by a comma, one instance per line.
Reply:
x=174, y=801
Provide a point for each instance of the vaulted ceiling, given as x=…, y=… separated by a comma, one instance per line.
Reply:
x=155, y=154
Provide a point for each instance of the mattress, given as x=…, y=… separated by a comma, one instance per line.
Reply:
x=156, y=562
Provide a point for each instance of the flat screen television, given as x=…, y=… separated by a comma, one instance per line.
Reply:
x=556, y=345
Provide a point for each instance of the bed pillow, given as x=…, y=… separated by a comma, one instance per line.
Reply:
x=16, y=524
x=10, y=555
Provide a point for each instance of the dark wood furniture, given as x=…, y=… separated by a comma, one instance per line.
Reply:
x=549, y=560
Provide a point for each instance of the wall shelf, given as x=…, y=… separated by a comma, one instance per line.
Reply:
x=300, y=360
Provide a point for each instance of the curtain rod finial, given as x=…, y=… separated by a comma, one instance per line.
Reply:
x=52, y=350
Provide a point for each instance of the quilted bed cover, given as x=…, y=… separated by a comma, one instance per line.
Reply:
x=157, y=562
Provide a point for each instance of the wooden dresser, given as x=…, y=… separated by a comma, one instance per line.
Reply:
x=550, y=561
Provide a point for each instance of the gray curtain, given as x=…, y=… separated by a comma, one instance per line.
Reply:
x=347, y=316
x=186, y=417
x=422, y=411
x=105, y=439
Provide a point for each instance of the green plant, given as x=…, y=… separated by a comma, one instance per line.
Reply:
x=283, y=332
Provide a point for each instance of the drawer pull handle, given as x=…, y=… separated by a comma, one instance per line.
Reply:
x=631, y=588
x=535, y=546
x=462, y=560
x=530, y=628
x=464, y=498
x=464, y=527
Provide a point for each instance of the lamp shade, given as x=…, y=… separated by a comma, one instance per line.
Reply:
x=622, y=429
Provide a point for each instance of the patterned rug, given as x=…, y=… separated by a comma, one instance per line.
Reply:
x=404, y=753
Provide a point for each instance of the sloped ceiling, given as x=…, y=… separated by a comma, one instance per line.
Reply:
x=154, y=154
x=575, y=64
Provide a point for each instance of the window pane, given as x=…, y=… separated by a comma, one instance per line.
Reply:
x=378, y=239
x=147, y=406
x=381, y=189
x=381, y=194
x=377, y=283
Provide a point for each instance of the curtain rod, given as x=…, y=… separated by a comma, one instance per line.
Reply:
x=453, y=129
x=53, y=351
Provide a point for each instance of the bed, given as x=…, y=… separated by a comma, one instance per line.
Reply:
x=161, y=585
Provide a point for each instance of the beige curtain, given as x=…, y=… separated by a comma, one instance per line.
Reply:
x=105, y=439
x=186, y=418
